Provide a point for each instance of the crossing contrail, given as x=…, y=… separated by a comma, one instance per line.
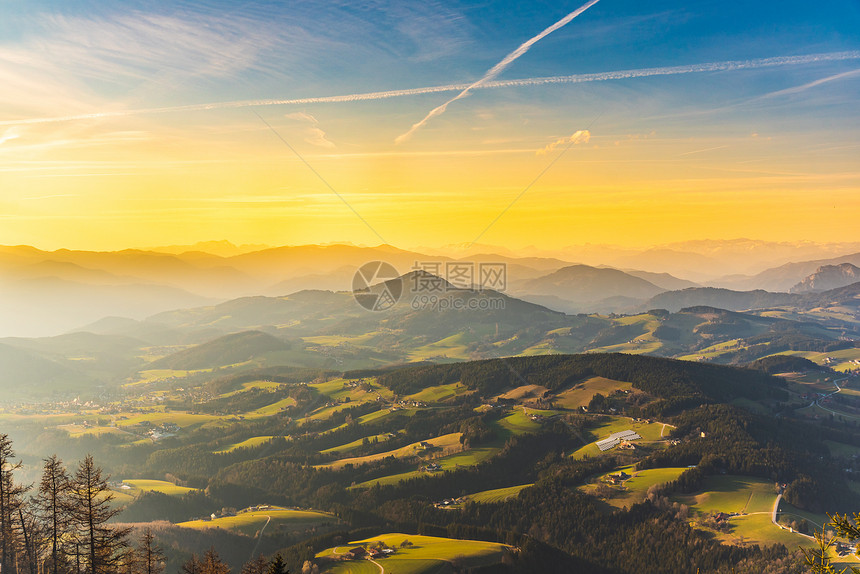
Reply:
x=495, y=70
x=371, y=96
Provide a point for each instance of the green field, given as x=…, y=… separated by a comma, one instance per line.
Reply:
x=272, y=409
x=732, y=493
x=250, y=522
x=438, y=393
x=582, y=393
x=154, y=375
x=355, y=444
x=470, y=457
x=844, y=358
x=754, y=497
x=498, y=494
x=269, y=385
x=634, y=489
x=518, y=422
x=79, y=430
x=444, y=442
x=247, y=443
x=650, y=432
x=139, y=486
x=453, y=347
x=427, y=555
x=183, y=419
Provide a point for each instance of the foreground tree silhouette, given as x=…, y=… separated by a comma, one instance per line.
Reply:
x=277, y=566
x=211, y=563
x=90, y=509
x=817, y=558
x=51, y=505
x=255, y=566
x=10, y=506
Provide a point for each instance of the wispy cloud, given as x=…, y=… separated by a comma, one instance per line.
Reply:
x=707, y=149
x=314, y=135
x=494, y=72
x=9, y=135
x=580, y=136
x=66, y=62
x=732, y=65
x=55, y=196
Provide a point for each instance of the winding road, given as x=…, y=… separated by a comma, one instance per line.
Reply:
x=260, y=537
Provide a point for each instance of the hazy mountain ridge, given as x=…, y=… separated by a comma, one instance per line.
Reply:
x=56, y=291
x=581, y=288
x=784, y=277
x=829, y=277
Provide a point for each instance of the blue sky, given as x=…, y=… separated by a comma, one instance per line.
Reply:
x=76, y=59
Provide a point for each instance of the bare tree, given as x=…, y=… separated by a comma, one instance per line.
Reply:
x=255, y=566
x=90, y=509
x=10, y=503
x=212, y=563
x=52, y=507
x=151, y=559
x=192, y=566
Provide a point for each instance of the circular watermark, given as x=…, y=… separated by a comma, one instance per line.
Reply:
x=377, y=286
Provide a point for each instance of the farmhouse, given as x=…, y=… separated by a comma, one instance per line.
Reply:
x=616, y=438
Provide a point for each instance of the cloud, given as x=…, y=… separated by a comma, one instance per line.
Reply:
x=493, y=72
x=314, y=135
x=732, y=65
x=9, y=135
x=72, y=62
x=580, y=136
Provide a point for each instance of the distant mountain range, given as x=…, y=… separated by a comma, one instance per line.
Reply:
x=45, y=293
x=783, y=277
x=580, y=288
x=328, y=329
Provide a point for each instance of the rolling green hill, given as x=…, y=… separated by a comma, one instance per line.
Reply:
x=226, y=350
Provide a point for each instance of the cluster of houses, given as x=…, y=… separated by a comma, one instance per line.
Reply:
x=162, y=431
x=433, y=467
x=618, y=478
x=449, y=502
x=404, y=404
x=362, y=553
x=224, y=512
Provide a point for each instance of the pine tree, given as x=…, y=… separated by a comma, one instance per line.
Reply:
x=277, y=566
x=52, y=507
x=150, y=556
x=90, y=510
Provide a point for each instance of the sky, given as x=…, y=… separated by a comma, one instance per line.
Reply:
x=130, y=123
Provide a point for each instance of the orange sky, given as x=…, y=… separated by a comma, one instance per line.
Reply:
x=766, y=151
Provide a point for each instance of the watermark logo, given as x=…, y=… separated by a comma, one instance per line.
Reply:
x=377, y=286
x=441, y=276
x=434, y=285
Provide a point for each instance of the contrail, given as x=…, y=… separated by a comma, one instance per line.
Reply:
x=371, y=96
x=804, y=87
x=495, y=70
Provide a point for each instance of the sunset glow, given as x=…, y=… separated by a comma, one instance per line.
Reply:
x=105, y=141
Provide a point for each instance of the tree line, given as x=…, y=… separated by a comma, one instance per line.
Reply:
x=62, y=526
